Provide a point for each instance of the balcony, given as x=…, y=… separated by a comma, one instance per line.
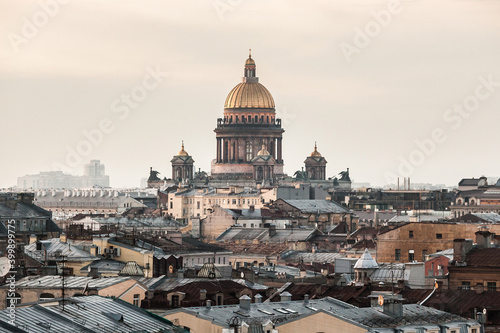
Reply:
x=259, y=124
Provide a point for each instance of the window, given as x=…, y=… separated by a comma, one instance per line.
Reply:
x=465, y=285
x=248, y=151
x=137, y=297
x=411, y=255
x=197, y=205
x=439, y=236
x=410, y=234
x=492, y=286
x=397, y=255
x=424, y=254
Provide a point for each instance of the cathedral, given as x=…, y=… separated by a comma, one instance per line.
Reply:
x=249, y=136
x=249, y=144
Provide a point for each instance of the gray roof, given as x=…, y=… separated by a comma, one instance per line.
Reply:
x=55, y=249
x=245, y=213
x=139, y=221
x=262, y=234
x=132, y=269
x=261, y=312
x=366, y=261
x=308, y=257
x=23, y=211
x=489, y=217
x=86, y=314
x=421, y=218
x=70, y=282
x=166, y=284
x=390, y=273
x=447, y=253
x=315, y=206
x=104, y=266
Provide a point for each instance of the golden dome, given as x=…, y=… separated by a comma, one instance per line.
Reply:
x=249, y=95
x=182, y=152
x=250, y=62
x=315, y=153
x=263, y=151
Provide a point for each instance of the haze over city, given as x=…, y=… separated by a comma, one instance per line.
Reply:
x=363, y=79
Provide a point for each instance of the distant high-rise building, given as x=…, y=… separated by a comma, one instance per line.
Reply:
x=94, y=175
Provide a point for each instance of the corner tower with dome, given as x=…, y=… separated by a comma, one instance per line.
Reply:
x=249, y=126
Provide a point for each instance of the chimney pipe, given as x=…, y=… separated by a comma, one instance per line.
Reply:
x=306, y=299
x=286, y=296
x=245, y=303
x=258, y=298
x=209, y=304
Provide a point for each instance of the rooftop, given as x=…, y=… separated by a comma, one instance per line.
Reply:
x=86, y=314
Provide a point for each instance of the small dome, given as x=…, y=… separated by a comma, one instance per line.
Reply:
x=315, y=153
x=182, y=152
x=366, y=261
x=250, y=62
x=263, y=151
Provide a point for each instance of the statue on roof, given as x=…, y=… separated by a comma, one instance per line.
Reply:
x=301, y=174
x=153, y=175
x=344, y=175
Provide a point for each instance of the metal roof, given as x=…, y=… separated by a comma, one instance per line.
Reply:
x=263, y=234
x=56, y=250
x=23, y=211
x=366, y=261
x=86, y=314
x=317, y=206
x=55, y=281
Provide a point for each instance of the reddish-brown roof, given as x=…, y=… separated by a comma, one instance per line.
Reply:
x=483, y=257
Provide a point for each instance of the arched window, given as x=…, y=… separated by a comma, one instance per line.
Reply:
x=248, y=151
x=178, y=173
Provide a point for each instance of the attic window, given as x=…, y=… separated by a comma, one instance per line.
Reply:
x=266, y=312
x=283, y=311
x=439, y=236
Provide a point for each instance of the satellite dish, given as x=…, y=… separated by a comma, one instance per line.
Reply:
x=484, y=310
x=242, y=275
x=380, y=300
x=4, y=266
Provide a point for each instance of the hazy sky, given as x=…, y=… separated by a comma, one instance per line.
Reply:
x=365, y=79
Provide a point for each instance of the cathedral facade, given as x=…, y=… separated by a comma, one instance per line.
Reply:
x=249, y=136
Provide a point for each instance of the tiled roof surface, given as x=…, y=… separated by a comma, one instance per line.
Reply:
x=483, y=257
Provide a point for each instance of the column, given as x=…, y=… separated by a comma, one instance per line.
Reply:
x=280, y=159
x=218, y=150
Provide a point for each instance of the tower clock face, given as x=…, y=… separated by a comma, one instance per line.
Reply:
x=4, y=266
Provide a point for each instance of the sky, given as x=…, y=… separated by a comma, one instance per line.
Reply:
x=385, y=88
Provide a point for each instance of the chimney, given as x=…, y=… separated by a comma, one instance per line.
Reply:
x=479, y=288
x=209, y=304
x=286, y=296
x=203, y=294
x=460, y=249
x=63, y=238
x=393, y=305
x=258, y=298
x=33, y=238
x=245, y=303
x=272, y=230
x=483, y=239
x=93, y=250
x=306, y=299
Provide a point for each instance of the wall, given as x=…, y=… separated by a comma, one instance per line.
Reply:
x=424, y=238
x=196, y=325
x=319, y=322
